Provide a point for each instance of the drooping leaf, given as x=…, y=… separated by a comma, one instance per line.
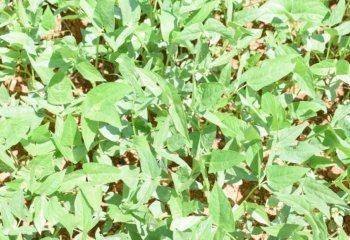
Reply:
x=148, y=162
x=220, y=209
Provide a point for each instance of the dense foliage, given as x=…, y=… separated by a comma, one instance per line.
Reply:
x=164, y=119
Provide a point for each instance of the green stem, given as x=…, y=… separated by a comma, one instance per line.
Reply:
x=97, y=52
x=329, y=48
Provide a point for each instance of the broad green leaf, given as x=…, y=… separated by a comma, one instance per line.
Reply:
x=210, y=94
x=13, y=130
x=337, y=14
x=71, y=134
x=70, y=222
x=185, y=223
x=203, y=12
x=89, y=130
x=214, y=26
x=73, y=179
x=304, y=77
x=305, y=109
x=83, y=212
x=98, y=174
x=50, y=184
x=40, y=206
x=93, y=195
x=56, y=211
x=286, y=136
x=59, y=89
x=21, y=39
x=131, y=12
x=312, y=11
x=324, y=68
x=257, y=212
x=318, y=225
x=6, y=163
x=99, y=104
x=342, y=67
x=104, y=14
x=220, y=209
x=167, y=24
x=320, y=191
x=223, y=159
x=22, y=14
x=282, y=230
x=266, y=74
x=149, y=164
x=88, y=71
x=343, y=29
x=280, y=177
x=271, y=105
x=246, y=15
x=190, y=32
x=299, y=203
x=8, y=220
x=298, y=153
x=49, y=21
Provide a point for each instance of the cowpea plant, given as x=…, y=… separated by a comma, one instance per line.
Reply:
x=164, y=119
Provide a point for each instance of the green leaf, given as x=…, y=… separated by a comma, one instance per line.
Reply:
x=220, y=209
x=13, y=130
x=51, y=183
x=279, y=177
x=298, y=153
x=22, y=14
x=89, y=130
x=210, y=94
x=131, y=12
x=104, y=14
x=167, y=24
x=214, y=26
x=21, y=39
x=6, y=163
x=71, y=135
x=191, y=32
x=305, y=109
x=99, y=104
x=203, y=12
x=270, y=104
x=184, y=223
x=83, y=212
x=223, y=159
x=49, y=21
x=98, y=174
x=337, y=14
x=324, y=68
x=343, y=29
x=320, y=191
x=59, y=89
x=299, y=203
x=40, y=205
x=149, y=164
x=282, y=230
x=342, y=67
x=88, y=71
x=8, y=220
x=287, y=136
x=318, y=225
x=266, y=74
x=93, y=195
x=304, y=77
